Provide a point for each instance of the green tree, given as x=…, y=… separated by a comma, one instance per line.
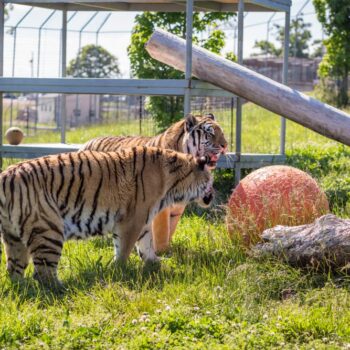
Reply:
x=299, y=40
x=266, y=48
x=318, y=48
x=206, y=33
x=231, y=56
x=93, y=62
x=334, y=16
x=299, y=37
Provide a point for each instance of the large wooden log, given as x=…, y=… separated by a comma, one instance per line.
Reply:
x=276, y=97
x=324, y=243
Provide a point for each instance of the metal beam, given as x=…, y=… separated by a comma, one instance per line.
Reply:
x=63, y=73
x=188, y=72
x=227, y=161
x=166, y=6
x=249, y=161
x=14, y=30
x=285, y=79
x=2, y=24
x=156, y=87
x=239, y=100
x=296, y=27
x=84, y=26
x=101, y=26
x=268, y=29
x=39, y=40
x=26, y=151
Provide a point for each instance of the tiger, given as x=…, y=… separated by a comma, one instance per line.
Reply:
x=199, y=135
x=49, y=200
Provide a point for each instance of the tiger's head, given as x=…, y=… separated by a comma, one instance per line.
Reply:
x=188, y=178
x=204, y=137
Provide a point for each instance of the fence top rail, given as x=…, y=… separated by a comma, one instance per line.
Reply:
x=157, y=87
x=157, y=5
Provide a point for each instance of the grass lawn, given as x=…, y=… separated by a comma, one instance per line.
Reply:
x=207, y=294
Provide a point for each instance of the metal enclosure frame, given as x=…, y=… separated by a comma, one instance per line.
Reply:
x=186, y=87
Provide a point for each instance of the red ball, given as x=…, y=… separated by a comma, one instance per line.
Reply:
x=270, y=196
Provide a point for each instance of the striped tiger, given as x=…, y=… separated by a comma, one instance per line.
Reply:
x=197, y=135
x=48, y=200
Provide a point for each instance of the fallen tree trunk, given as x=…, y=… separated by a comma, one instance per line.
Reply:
x=276, y=97
x=324, y=243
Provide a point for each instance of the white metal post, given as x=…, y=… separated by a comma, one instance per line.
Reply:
x=268, y=31
x=98, y=98
x=2, y=25
x=239, y=100
x=63, y=73
x=188, y=73
x=285, y=78
x=14, y=53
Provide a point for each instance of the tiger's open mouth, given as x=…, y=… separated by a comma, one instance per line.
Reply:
x=213, y=159
x=214, y=156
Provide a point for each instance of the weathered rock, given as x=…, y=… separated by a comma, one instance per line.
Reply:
x=326, y=242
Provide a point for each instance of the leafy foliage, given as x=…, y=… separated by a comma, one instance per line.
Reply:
x=93, y=61
x=266, y=48
x=299, y=40
x=167, y=110
x=334, y=16
x=318, y=48
x=330, y=166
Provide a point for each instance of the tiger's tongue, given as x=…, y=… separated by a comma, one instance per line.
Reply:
x=214, y=158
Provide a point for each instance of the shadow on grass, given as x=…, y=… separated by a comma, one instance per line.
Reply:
x=182, y=264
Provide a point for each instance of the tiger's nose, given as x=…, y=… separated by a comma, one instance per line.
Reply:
x=224, y=148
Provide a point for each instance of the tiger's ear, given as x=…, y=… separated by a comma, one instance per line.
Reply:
x=202, y=162
x=210, y=115
x=190, y=122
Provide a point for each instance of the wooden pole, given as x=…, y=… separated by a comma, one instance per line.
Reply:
x=265, y=92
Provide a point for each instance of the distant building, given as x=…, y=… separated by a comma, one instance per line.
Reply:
x=302, y=72
x=80, y=109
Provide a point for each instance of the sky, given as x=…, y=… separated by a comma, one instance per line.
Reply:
x=114, y=36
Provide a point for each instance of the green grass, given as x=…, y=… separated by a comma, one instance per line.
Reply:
x=208, y=293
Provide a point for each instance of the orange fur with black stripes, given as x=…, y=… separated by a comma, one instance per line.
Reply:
x=48, y=200
x=196, y=135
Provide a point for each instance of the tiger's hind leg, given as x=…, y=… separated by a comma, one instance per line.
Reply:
x=161, y=230
x=45, y=245
x=17, y=256
x=176, y=212
x=164, y=226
